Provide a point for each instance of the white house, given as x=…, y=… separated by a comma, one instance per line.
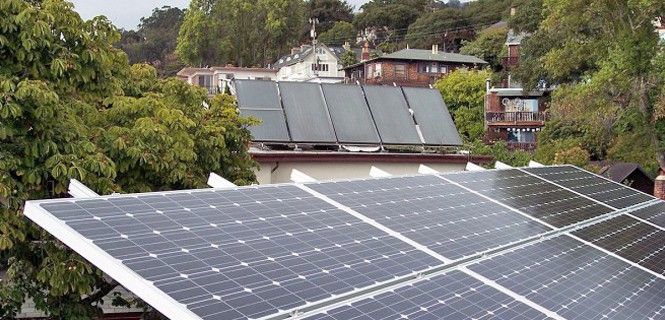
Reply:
x=303, y=64
x=216, y=79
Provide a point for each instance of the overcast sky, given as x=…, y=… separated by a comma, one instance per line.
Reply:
x=127, y=13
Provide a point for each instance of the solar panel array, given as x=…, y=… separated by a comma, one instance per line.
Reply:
x=468, y=245
x=302, y=112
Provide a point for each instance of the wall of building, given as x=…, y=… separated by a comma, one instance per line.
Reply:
x=302, y=71
x=272, y=172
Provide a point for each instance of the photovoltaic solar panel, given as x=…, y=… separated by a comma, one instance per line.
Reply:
x=391, y=115
x=306, y=112
x=577, y=281
x=631, y=239
x=441, y=216
x=350, y=114
x=236, y=254
x=260, y=99
x=593, y=186
x=654, y=213
x=464, y=245
x=451, y=296
x=432, y=115
x=533, y=196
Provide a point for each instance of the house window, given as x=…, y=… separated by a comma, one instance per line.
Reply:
x=432, y=67
x=400, y=71
x=320, y=67
x=377, y=70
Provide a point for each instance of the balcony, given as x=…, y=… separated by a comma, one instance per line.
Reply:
x=516, y=118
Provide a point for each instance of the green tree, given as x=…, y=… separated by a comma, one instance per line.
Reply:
x=241, y=32
x=392, y=14
x=463, y=90
x=340, y=33
x=71, y=107
x=490, y=46
x=155, y=39
x=329, y=13
x=606, y=72
x=348, y=58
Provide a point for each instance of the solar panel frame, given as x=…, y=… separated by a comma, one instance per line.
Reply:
x=194, y=296
x=306, y=113
x=433, y=117
x=391, y=115
x=350, y=114
x=110, y=265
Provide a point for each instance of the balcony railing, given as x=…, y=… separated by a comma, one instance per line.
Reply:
x=212, y=90
x=515, y=117
x=525, y=146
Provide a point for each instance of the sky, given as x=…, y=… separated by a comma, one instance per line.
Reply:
x=127, y=13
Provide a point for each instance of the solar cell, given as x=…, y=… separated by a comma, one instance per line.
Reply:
x=654, y=213
x=447, y=219
x=531, y=195
x=455, y=295
x=630, y=239
x=260, y=99
x=350, y=114
x=577, y=281
x=432, y=116
x=306, y=112
x=391, y=115
x=593, y=186
x=236, y=254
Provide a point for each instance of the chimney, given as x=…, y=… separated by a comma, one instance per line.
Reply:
x=364, y=54
x=488, y=85
x=513, y=11
x=435, y=49
x=659, y=186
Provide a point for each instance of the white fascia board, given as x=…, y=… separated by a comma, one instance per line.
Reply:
x=470, y=166
x=77, y=189
x=217, y=181
x=375, y=172
x=423, y=169
x=500, y=165
x=534, y=164
x=298, y=176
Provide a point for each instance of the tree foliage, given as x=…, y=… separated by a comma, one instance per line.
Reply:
x=463, y=90
x=393, y=14
x=450, y=26
x=155, y=39
x=348, y=58
x=240, y=32
x=329, y=13
x=489, y=45
x=610, y=76
x=339, y=34
x=71, y=107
